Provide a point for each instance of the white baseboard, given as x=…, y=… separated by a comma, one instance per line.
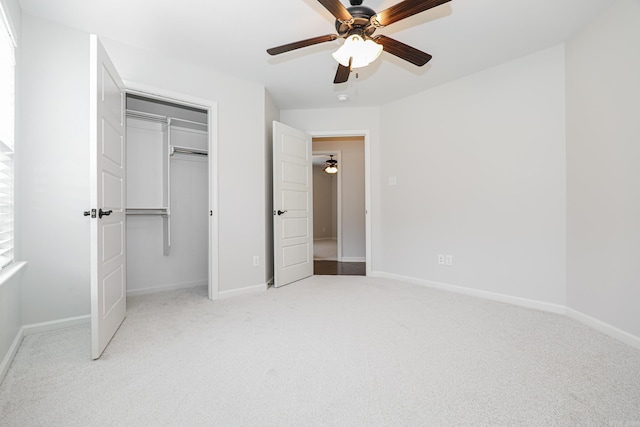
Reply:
x=165, y=288
x=524, y=302
x=8, y=358
x=605, y=328
x=246, y=290
x=353, y=259
x=592, y=322
x=36, y=328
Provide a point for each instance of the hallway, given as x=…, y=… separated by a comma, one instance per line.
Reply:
x=325, y=261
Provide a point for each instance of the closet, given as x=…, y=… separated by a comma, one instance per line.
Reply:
x=167, y=195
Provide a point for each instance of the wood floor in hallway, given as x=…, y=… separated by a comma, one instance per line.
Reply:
x=335, y=268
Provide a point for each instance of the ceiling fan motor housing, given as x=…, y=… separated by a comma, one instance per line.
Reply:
x=361, y=20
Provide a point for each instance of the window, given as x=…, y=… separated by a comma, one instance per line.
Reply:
x=7, y=127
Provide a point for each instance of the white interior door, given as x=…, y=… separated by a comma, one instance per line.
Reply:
x=292, y=204
x=107, y=194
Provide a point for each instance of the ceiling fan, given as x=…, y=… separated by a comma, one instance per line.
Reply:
x=357, y=24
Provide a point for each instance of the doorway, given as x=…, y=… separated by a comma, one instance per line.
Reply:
x=107, y=190
x=292, y=202
x=167, y=195
x=339, y=206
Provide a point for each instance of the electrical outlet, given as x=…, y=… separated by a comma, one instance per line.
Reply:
x=448, y=260
x=256, y=261
x=441, y=259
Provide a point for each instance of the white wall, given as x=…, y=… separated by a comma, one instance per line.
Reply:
x=10, y=314
x=54, y=171
x=271, y=113
x=351, y=167
x=603, y=172
x=348, y=119
x=324, y=190
x=480, y=169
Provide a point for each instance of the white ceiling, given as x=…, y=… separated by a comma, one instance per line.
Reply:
x=320, y=159
x=464, y=36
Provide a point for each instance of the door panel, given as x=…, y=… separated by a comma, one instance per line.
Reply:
x=294, y=173
x=295, y=227
x=107, y=174
x=112, y=147
x=112, y=238
x=295, y=200
x=113, y=290
x=292, y=197
x=295, y=255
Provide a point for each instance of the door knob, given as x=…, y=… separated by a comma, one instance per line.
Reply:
x=281, y=212
x=102, y=213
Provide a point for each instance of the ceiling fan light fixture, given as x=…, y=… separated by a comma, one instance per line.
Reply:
x=331, y=165
x=363, y=52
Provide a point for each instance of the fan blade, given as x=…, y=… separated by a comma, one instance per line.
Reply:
x=403, y=51
x=302, y=43
x=342, y=75
x=406, y=9
x=337, y=9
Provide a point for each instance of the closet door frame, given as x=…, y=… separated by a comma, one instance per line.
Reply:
x=155, y=93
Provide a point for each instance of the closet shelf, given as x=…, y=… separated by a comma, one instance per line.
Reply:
x=172, y=121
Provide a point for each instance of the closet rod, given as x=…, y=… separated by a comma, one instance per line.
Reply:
x=188, y=121
x=147, y=211
x=187, y=150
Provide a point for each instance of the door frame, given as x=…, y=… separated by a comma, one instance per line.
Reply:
x=336, y=154
x=151, y=92
x=366, y=134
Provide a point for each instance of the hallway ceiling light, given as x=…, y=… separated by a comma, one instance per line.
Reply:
x=331, y=165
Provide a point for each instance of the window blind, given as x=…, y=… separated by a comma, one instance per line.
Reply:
x=7, y=127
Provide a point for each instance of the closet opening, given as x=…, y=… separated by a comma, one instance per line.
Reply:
x=168, y=196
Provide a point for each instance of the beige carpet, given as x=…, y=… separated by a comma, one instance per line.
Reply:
x=329, y=350
x=325, y=250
